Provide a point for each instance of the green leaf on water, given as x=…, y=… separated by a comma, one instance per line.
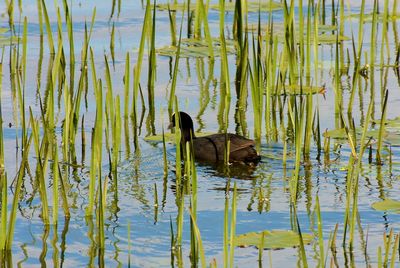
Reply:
x=275, y=239
x=174, y=7
x=279, y=28
x=391, y=123
x=298, y=90
x=252, y=6
x=368, y=17
x=340, y=133
x=197, y=48
x=323, y=39
x=387, y=205
x=393, y=139
x=7, y=40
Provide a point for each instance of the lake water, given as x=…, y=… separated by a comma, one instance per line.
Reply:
x=70, y=243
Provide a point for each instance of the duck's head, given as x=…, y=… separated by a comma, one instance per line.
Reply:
x=185, y=124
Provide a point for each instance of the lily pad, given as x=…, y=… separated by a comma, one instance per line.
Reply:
x=7, y=40
x=340, y=133
x=252, y=6
x=387, y=205
x=174, y=7
x=170, y=137
x=368, y=17
x=280, y=27
x=195, y=48
x=275, y=239
x=393, y=139
x=391, y=123
x=297, y=90
x=324, y=38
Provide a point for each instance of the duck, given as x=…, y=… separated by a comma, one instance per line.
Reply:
x=211, y=148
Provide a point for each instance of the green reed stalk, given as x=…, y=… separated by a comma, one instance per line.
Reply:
x=138, y=68
x=207, y=33
x=4, y=209
x=20, y=79
x=82, y=84
x=127, y=79
x=152, y=76
x=198, y=18
x=109, y=111
x=155, y=203
x=67, y=121
x=172, y=25
x=24, y=48
x=372, y=50
x=48, y=28
x=116, y=137
x=100, y=217
x=270, y=65
x=129, y=243
x=165, y=161
x=18, y=187
x=394, y=251
x=320, y=234
x=178, y=157
x=199, y=241
x=10, y=11
x=55, y=185
x=70, y=30
x=233, y=227
x=226, y=226
x=67, y=213
x=357, y=59
x=112, y=46
x=41, y=164
x=261, y=248
x=175, y=72
x=308, y=42
x=385, y=41
x=95, y=166
x=381, y=129
x=302, y=249
x=225, y=81
x=353, y=178
x=3, y=175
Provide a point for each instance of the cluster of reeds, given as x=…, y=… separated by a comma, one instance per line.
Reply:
x=280, y=71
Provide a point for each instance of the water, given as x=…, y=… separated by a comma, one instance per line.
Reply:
x=69, y=243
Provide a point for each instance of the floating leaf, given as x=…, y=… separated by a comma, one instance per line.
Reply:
x=7, y=40
x=393, y=139
x=368, y=17
x=275, y=239
x=174, y=7
x=297, y=90
x=170, y=137
x=197, y=48
x=387, y=205
x=391, y=123
x=340, y=133
x=324, y=38
x=280, y=28
x=252, y=6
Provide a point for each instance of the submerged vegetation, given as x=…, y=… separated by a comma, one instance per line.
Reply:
x=83, y=142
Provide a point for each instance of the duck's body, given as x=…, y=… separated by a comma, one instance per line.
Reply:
x=211, y=148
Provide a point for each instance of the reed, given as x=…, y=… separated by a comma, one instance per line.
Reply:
x=175, y=71
x=233, y=227
x=152, y=76
x=18, y=188
x=97, y=139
